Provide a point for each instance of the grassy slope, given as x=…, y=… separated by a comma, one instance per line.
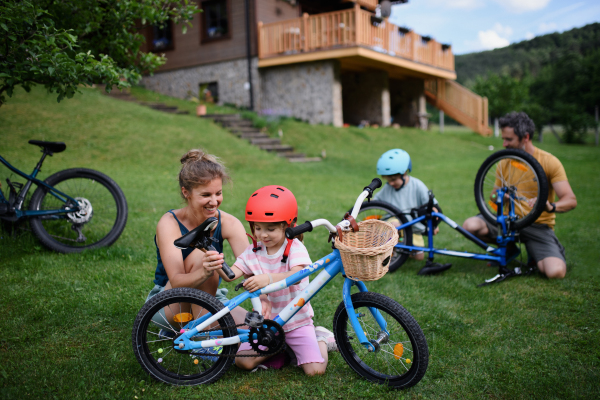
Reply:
x=67, y=318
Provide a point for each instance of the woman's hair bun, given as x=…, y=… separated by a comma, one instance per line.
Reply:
x=192, y=155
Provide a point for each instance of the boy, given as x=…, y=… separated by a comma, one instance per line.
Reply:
x=405, y=193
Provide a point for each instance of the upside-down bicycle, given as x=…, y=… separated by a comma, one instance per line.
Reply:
x=375, y=335
x=505, y=185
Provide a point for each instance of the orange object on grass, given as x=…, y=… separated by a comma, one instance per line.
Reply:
x=398, y=351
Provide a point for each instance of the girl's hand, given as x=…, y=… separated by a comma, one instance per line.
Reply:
x=212, y=261
x=266, y=306
x=256, y=282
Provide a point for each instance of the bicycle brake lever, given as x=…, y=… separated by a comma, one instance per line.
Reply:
x=239, y=285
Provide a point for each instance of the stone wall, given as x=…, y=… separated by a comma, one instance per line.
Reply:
x=232, y=78
x=366, y=97
x=309, y=91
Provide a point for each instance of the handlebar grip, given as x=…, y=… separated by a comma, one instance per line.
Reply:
x=230, y=274
x=291, y=233
x=375, y=184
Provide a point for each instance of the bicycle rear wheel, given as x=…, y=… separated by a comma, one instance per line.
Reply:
x=522, y=176
x=101, y=220
x=402, y=358
x=159, y=322
x=386, y=212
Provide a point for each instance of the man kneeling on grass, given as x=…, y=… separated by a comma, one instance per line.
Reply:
x=539, y=238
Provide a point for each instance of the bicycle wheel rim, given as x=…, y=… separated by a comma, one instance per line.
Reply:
x=159, y=353
x=89, y=193
x=516, y=175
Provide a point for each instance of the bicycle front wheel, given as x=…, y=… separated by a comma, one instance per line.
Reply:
x=159, y=323
x=524, y=180
x=100, y=221
x=386, y=212
x=401, y=358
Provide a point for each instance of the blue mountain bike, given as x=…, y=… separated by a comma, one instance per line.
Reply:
x=511, y=189
x=185, y=336
x=71, y=211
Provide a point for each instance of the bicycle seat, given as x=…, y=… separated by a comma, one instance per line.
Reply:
x=199, y=236
x=50, y=147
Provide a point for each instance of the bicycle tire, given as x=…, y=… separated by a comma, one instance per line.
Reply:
x=532, y=182
x=105, y=224
x=373, y=209
x=160, y=363
x=400, y=372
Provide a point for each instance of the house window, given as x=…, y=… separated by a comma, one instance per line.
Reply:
x=162, y=37
x=215, y=20
x=209, y=92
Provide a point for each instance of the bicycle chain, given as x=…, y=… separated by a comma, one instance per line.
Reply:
x=238, y=355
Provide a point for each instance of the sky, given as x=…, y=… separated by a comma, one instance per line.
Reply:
x=477, y=25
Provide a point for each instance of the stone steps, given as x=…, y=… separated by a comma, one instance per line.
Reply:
x=244, y=129
x=261, y=141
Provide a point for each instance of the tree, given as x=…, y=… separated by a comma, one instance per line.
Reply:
x=61, y=44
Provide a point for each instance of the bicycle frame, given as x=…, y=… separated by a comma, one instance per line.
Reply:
x=331, y=265
x=497, y=254
x=23, y=193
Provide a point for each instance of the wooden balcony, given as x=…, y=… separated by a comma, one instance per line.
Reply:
x=353, y=33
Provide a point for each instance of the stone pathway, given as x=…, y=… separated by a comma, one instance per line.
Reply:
x=244, y=129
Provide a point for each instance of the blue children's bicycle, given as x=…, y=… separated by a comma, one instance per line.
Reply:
x=71, y=211
x=510, y=191
x=185, y=336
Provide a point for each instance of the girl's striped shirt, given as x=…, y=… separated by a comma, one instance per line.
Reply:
x=251, y=263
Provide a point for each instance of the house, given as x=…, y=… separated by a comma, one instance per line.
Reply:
x=323, y=61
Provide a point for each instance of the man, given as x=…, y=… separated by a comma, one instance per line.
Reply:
x=539, y=238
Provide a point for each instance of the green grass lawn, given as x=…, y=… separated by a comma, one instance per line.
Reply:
x=67, y=319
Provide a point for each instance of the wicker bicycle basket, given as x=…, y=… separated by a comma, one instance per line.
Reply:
x=366, y=254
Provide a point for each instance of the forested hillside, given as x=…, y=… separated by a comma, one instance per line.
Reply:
x=554, y=78
x=529, y=55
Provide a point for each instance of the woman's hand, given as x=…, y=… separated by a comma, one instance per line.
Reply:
x=266, y=306
x=212, y=261
x=256, y=282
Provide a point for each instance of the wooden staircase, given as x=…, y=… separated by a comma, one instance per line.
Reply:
x=459, y=103
x=244, y=129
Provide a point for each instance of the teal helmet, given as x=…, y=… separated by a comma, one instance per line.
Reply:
x=392, y=162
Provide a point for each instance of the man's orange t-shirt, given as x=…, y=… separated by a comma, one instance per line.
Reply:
x=555, y=172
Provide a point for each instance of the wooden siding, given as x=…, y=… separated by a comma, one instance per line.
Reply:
x=266, y=11
x=188, y=51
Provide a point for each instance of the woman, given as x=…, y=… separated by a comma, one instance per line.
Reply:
x=201, y=180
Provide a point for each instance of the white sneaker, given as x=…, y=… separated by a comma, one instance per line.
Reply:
x=326, y=336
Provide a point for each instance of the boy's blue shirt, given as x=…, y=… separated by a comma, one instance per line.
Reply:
x=413, y=195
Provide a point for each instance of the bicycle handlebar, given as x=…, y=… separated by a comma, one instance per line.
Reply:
x=375, y=184
x=230, y=274
x=291, y=233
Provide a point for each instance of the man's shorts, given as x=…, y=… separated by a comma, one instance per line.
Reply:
x=539, y=239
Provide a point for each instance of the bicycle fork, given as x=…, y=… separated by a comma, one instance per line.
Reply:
x=373, y=344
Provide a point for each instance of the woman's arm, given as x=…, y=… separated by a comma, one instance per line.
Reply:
x=167, y=231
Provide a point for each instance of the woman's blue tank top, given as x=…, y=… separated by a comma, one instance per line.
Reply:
x=160, y=276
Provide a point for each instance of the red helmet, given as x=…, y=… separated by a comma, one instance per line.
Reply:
x=272, y=204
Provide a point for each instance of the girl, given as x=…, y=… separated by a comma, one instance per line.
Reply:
x=270, y=210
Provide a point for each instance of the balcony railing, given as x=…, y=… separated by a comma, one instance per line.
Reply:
x=347, y=28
